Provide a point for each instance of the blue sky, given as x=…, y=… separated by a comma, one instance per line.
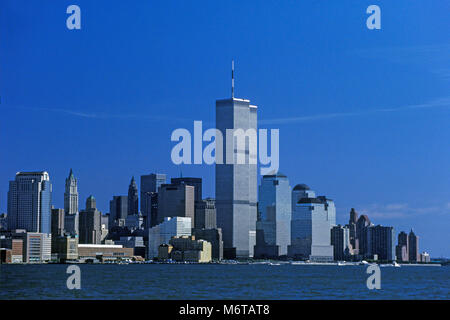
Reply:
x=363, y=114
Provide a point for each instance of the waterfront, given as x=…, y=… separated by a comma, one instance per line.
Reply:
x=217, y=281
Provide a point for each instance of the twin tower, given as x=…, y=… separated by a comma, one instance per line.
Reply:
x=236, y=184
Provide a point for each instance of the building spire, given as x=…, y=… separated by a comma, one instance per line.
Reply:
x=232, y=79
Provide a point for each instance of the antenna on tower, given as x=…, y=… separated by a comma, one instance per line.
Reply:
x=232, y=79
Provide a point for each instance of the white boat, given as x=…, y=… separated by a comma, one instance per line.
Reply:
x=341, y=263
x=364, y=262
x=395, y=264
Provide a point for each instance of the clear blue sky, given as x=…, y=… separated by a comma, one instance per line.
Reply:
x=364, y=115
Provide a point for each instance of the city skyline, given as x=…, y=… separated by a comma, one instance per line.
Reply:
x=363, y=116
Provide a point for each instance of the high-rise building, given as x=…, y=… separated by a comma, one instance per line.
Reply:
x=362, y=235
x=382, y=242
x=57, y=228
x=71, y=211
x=273, y=226
x=118, y=209
x=340, y=240
x=176, y=200
x=90, y=223
x=149, y=197
x=413, y=251
x=29, y=202
x=236, y=176
x=133, y=200
x=205, y=214
x=312, y=220
x=352, y=231
x=402, y=249
x=163, y=232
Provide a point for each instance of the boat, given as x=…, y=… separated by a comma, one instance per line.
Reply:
x=395, y=264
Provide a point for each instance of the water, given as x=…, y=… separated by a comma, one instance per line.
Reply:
x=173, y=281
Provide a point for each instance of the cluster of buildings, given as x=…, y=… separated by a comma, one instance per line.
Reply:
x=173, y=222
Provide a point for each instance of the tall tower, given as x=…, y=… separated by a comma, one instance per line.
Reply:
x=29, y=202
x=133, y=200
x=71, y=195
x=236, y=183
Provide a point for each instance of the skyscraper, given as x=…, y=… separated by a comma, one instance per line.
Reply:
x=133, y=200
x=90, y=223
x=71, y=194
x=362, y=234
x=413, y=242
x=402, y=249
x=29, y=202
x=352, y=231
x=118, y=208
x=340, y=240
x=312, y=220
x=382, y=242
x=176, y=200
x=236, y=183
x=273, y=228
x=149, y=197
x=71, y=217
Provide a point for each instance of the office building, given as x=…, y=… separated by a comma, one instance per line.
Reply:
x=37, y=247
x=186, y=248
x=176, y=200
x=312, y=220
x=236, y=176
x=213, y=236
x=16, y=247
x=149, y=197
x=205, y=214
x=425, y=257
x=362, y=235
x=413, y=242
x=29, y=202
x=340, y=240
x=65, y=247
x=273, y=226
x=133, y=200
x=90, y=223
x=163, y=232
x=352, y=231
x=57, y=226
x=118, y=209
x=134, y=242
x=103, y=252
x=71, y=218
x=382, y=242
x=402, y=248
x=3, y=221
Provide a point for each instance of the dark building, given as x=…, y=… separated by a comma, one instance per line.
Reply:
x=340, y=242
x=362, y=235
x=382, y=242
x=402, y=249
x=149, y=196
x=176, y=200
x=205, y=214
x=413, y=242
x=213, y=236
x=133, y=198
x=90, y=223
x=118, y=208
x=352, y=230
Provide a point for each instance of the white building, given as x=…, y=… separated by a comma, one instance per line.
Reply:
x=163, y=232
x=38, y=247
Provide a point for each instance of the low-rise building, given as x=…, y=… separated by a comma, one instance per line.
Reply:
x=66, y=248
x=37, y=247
x=103, y=252
x=186, y=248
